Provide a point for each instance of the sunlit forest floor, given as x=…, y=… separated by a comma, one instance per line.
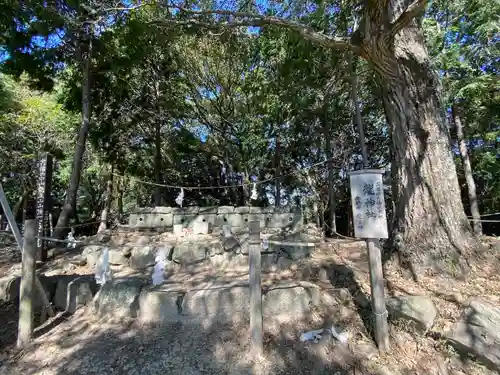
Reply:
x=80, y=344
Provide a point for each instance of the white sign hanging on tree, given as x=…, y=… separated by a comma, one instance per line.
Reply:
x=368, y=206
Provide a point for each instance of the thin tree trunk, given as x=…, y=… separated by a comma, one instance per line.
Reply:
x=316, y=213
x=69, y=207
x=107, y=202
x=431, y=221
x=332, y=223
x=277, y=200
x=261, y=190
x=357, y=111
x=119, y=199
x=24, y=214
x=19, y=204
x=158, y=162
x=469, y=178
x=234, y=196
x=246, y=190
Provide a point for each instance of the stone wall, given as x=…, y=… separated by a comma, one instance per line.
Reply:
x=235, y=217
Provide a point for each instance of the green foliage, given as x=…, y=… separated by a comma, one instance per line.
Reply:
x=215, y=103
x=463, y=40
x=30, y=122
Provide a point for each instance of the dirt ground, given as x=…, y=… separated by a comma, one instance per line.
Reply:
x=82, y=345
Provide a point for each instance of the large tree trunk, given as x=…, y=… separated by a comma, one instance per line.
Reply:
x=69, y=207
x=432, y=227
x=469, y=178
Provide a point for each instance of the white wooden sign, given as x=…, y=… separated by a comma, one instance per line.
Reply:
x=368, y=206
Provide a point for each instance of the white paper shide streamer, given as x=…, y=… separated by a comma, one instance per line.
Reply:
x=254, y=194
x=103, y=273
x=265, y=244
x=180, y=198
x=160, y=262
x=72, y=241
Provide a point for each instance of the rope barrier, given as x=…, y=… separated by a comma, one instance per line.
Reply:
x=79, y=225
x=485, y=221
x=115, y=231
x=485, y=215
x=68, y=242
x=224, y=186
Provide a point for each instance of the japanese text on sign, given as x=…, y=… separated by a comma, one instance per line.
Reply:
x=368, y=206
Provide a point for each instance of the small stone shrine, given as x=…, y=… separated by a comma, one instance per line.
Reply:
x=205, y=219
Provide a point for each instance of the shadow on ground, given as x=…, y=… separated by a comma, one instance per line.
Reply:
x=341, y=278
x=176, y=349
x=82, y=345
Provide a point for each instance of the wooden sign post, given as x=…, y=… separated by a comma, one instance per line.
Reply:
x=254, y=263
x=44, y=182
x=370, y=223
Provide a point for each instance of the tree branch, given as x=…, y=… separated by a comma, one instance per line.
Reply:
x=242, y=19
x=413, y=10
x=251, y=19
x=123, y=9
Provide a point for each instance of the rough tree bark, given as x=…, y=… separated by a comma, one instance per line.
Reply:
x=469, y=178
x=69, y=206
x=431, y=223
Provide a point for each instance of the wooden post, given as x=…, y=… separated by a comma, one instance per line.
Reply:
x=377, y=292
x=19, y=240
x=373, y=244
x=10, y=218
x=45, y=167
x=254, y=262
x=27, y=288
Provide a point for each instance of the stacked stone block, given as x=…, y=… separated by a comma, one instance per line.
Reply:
x=216, y=217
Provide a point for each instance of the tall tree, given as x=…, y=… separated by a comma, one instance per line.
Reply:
x=42, y=38
x=430, y=219
x=465, y=51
